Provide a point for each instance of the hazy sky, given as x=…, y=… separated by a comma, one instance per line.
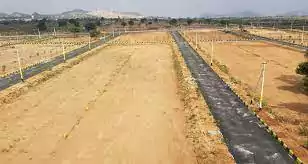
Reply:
x=156, y=7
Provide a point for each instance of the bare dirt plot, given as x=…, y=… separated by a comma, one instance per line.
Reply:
x=288, y=36
x=204, y=35
x=119, y=106
x=287, y=104
x=33, y=53
x=144, y=37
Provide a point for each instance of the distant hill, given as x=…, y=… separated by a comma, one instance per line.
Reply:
x=296, y=13
x=19, y=15
x=114, y=14
x=3, y=14
x=77, y=13
x=236, y=14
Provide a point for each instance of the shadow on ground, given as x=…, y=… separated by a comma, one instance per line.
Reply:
x=298, y=107
x=293, y=84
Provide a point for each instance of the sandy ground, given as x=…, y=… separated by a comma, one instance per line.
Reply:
x=119, y=106
x=31, y=54
x=144, y=37
x=288, y=36
x=205, y=36
x=287, y=103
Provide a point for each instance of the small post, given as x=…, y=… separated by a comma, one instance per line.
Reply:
x=212, y=54
x=19, y=64
x=63, y=52
x=262, y=86
x=54, y=31
x=39, y=33
x=89, y=41
x=303, y=34
x=196, y=40
x=112, y=32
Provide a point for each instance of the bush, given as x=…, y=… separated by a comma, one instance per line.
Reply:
x=303, y=130
x=90, y=26
x=131, y=22
x=123, y=24
x=173, y=22
x=3, y=68
x=94, y=33
x=306, y=144
x=302, y=69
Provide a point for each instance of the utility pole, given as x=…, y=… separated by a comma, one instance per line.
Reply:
x=19, y=64
x=212, y=53
x=262, y=86
x=63, y=52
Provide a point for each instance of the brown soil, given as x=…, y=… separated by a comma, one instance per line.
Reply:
x=31, y=54
x=287, y=108
x=288, y=36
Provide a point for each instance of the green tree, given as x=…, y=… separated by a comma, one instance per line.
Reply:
x=131, y=22
x=74, y=22
x=173, y=22
x=75, y=29
x=42, y=25
x=62, y=23
x=189, y=21
x=123, y=24
x=90, y=26
x=143, y=20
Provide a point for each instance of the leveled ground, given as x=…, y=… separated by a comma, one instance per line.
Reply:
x=294, y=37
x=33, y=53
x=119, y=106
x=287, y=110
x=206, y=35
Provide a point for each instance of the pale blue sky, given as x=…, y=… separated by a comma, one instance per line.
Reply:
x=157, y=7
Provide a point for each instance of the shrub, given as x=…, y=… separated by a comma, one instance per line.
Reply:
x=303, y=130
x=302, y=69
x=3, y=68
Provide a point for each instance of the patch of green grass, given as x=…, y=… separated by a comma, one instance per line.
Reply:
x=306, y=144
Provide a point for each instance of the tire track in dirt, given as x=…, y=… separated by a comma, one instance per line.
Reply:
x=99, y=93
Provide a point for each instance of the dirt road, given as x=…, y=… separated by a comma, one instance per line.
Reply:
x=119, y=106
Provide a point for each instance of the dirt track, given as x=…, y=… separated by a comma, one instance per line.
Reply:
x=119, y=106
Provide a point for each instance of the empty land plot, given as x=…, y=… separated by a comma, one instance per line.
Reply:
x=119, y=106
x=288, y=36
x=144, y=37
x=207, y=35
x=287, y=110
x=34, y=53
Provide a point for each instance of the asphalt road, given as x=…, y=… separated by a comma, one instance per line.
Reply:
x=245, y=136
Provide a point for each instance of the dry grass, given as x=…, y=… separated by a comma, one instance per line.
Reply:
x=199, y=120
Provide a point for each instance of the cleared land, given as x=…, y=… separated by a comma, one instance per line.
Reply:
x=34, y=53
x=206, y=35
x=287, y=108
x=118, y=106
x=288, y=36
